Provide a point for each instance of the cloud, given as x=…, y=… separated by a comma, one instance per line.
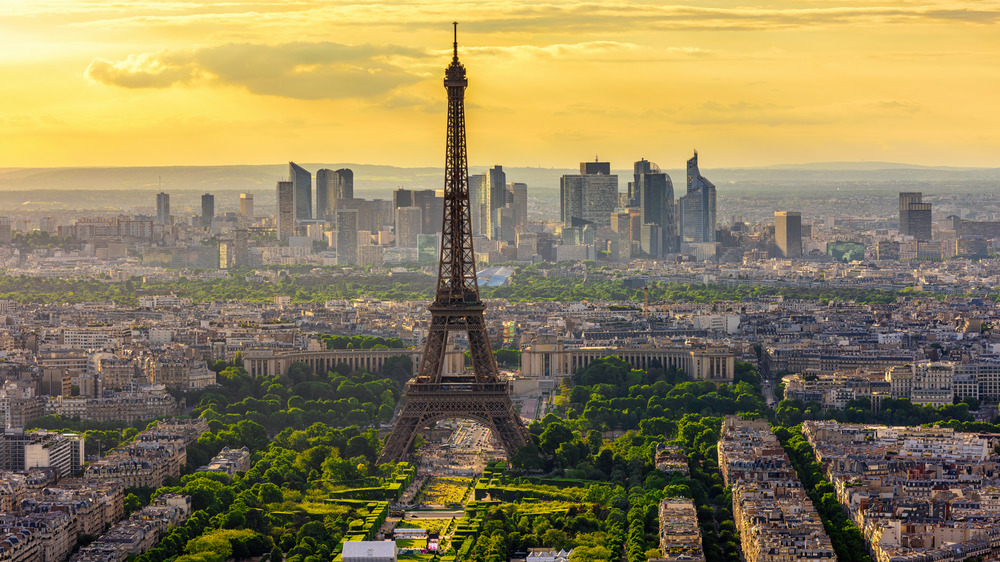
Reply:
x=328, y=70
x=16, y=120
x=767, y=114
x=506, y=16
x=586, y=48
x=144, y=70
x=292, y=70
x=411, y=101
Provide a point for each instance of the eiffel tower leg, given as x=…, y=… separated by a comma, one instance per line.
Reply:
x=432, y=361
x=483, y=362
x=508, y=428
x=397, y=446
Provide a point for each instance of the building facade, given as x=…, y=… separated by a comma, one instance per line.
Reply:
x=914, y=215
x=590, y=197
x=162, y=208
x=697, y=207
x=246, y=205
x=655, y=194
x=302, y=191
x=285, y=197
x=788, y=233
x=207, y=209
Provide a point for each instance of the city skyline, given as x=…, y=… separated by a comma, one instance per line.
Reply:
x=785, y=82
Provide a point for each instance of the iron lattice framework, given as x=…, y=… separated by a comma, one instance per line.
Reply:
x=435, y=395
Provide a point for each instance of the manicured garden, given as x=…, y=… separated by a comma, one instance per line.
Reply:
x=444, y=490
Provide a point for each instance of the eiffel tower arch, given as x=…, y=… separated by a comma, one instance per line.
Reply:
x=435, y=395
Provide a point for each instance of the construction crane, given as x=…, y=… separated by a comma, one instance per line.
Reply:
x=645, y=305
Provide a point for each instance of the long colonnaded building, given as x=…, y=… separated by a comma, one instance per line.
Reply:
x=543, y=359
x=267, y=362
x=550, y=358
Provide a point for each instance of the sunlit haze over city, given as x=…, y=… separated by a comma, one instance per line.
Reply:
x=488, y=281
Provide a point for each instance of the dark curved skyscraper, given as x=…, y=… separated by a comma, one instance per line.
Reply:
x=344, y=186
x=332, y=186
x=324, y=204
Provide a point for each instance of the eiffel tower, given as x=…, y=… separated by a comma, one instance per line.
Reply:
x=434, y=396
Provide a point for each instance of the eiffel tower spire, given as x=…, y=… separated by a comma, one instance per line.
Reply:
x=436, y=395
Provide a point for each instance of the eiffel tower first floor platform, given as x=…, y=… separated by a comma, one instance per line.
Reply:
x=426, y=403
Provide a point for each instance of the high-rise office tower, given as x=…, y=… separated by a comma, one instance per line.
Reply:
x=621, y=224
x=914, y=216
x=643, y=166
x=650, y=239
x=588, y=198
x=207, y=209
x=384, y=213
x=905, y=200
x=433, y=207
x=347, y=236
x=697, y=207
x=520, y=204
x=162, y=208
x=788, y=233
x=655, y=194
x=402, y=198
x=332, y=186
x=227, y=250
x=246, y=205
x=241, y=257
x=367, y=217
x=285, y=197
x=302, y=188
x=505, y=228
x=479, y=208
x=324, y=205
x=409, y=225
x=496, y=198
x=343, y=187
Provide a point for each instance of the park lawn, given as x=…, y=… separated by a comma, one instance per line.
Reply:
x=411, y=543
x=320, y=508
x=444, y=490
x=432, y=525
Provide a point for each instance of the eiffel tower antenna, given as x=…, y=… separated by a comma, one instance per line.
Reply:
x=435, y=395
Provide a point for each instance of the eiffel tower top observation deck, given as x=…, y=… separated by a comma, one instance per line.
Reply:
x=457, y=269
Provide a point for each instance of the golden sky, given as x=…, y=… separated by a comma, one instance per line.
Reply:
x=746, y=82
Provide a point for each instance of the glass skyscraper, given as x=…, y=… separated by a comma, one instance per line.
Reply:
x=302, y=190
x=163, y=208
x=655, y=194
x=496, y=198
x=207, y=209
x=697, y=207
x=332, y=186
x=285, y=198
x=324, y=205
x=588, y=198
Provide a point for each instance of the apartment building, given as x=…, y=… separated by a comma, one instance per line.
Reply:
x=775, y=518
